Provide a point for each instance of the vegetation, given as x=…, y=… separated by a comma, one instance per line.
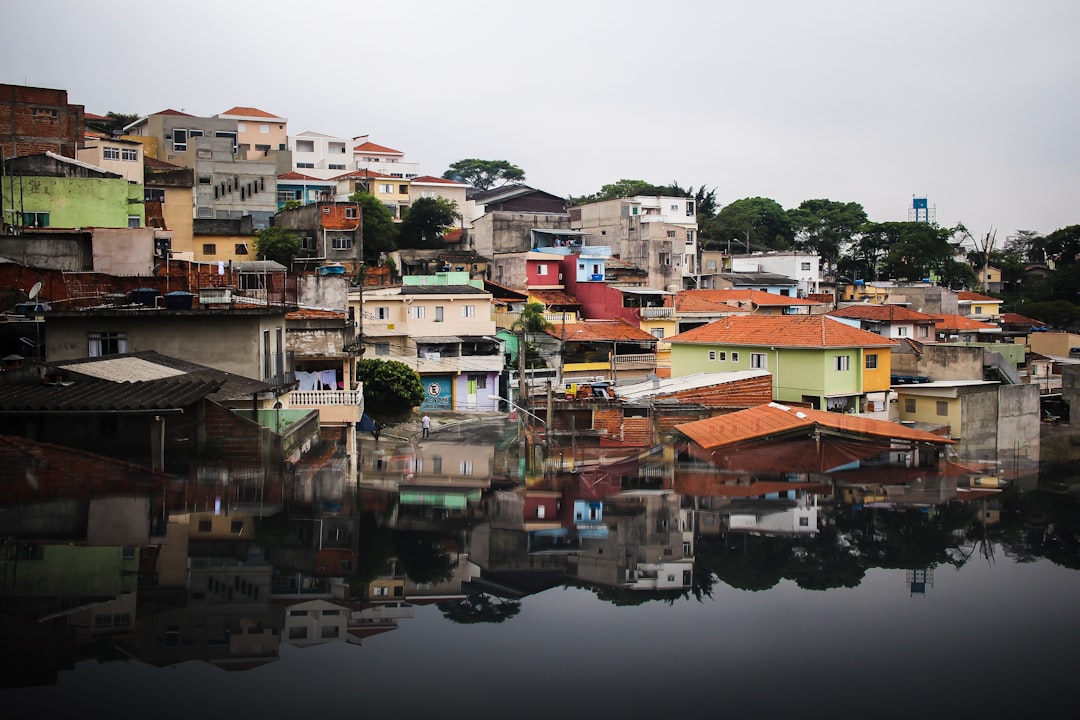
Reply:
x=426, y=221
x=379, y=229
x=391, y=388
x=277, y=244
x=530, y=322
x=483, y=174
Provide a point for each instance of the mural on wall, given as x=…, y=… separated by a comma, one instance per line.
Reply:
x=437, y=393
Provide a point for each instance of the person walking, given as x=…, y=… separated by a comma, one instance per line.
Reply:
x=425, y=422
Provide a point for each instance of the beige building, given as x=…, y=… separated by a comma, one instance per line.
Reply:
x=258, y=133
x=123, y=157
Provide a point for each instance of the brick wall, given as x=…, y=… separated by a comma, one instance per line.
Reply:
x=36, y=120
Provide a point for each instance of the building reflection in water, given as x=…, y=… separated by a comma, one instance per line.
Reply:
x=445, y=521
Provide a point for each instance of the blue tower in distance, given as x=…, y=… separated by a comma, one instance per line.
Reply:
x=920, y=211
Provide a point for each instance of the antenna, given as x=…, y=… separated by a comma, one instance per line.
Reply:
x=34, y=290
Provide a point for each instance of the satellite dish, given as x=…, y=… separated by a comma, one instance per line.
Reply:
x=34, y=290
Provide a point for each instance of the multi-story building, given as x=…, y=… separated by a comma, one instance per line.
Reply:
x=35, y=120
x=226, y=184
x=444, y=330
x=123, y=157
x=320, y=156
x=804, y=269
x=383, y=160
x=655, y=233
x=259, y=134
x=330, y=232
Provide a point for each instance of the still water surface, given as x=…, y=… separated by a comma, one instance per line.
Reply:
x=879, y=609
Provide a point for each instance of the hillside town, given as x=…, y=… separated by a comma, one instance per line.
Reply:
x=172, y=386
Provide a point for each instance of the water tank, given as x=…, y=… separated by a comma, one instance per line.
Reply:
x=178, y=300
x=144, y=296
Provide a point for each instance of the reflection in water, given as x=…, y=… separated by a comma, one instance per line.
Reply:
x=452, y=525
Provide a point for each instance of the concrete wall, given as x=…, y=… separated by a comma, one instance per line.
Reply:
x=68, y=252
x=1055, y=344
x=1019, y=422
x=74, y=202
x=979, y=418
x=123, y=251
x=505, y=232
x=323, y=291
x=950, y=362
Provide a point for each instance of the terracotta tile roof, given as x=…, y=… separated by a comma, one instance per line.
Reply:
x=293, y=175
x=170, y=111
x=802, y=331
x=884, y=313
x=967, y=295
x=315, y=314
x=93, y=116
x=250, y=112
x=160, y=164
x=1017, y=319
x=453, y=236
x=755, y=297
x=964, y=323
x=373, y=148
x=439, y=180
x=362, y=174
x=694, y=303
x=555, y=297
x=776, y=419
x=603, y=331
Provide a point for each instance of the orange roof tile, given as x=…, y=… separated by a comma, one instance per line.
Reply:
x=292, y=175
x=433, y=179
x=250, y=112
x=170, y=111
x=601, y=330
x=373, y=148
x=555, y=297
x=967, y=295
x=776, y=419
x=802, y=331
x=361, y=174
x=315, y=314
x=695, y=303
x=884, y=313
x=949, y=321
x=1018, y=319
x=755, y=297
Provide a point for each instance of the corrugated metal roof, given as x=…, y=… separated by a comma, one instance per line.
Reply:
x=124, y=369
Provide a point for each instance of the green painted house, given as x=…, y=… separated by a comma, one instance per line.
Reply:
x=50, y=190
x=813, y=359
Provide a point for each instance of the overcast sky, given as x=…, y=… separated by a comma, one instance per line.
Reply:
x=972, y=104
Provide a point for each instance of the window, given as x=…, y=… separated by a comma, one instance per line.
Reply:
x=307, y=242
x=46, y=114
x=657, y=333
x=479, y=380
x=382, y=592
x=206, y=212
x=240, y=249
x=909, y=405
x=305, y=165
x=134, y=221
x=154, y=195
x=438, y=313
x=942, y=408
x=228, y=136
x=386, y=188
x=209, y=249
x=110, y=153
x=195, y=133
x=306, y=146
x=382, y=348
x=871, y=361
x=416, y=312
x=35, y=219
x=403, y=189
x=106, y=343
x=382, y=312
x=734, y=357
x=264, y=128
x=689, y=208
x=129, y=154
x=924, y=331
x=204, y=526
x=236, y=527
x=205, y=180
x=978, y=310
x=901, y=331
x=804, y=266
x=341, y=242
x=468, y=311
x=179, y=140
x=671, y=233
x=330, y=631
x=541, y=269
x=466, y=467
x=722, y=356
x=757, y=360
x=842, y=362
x=351, y=213
x=712, y=354
x=665, y=258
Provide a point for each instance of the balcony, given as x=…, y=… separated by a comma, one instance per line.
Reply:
x=652, y=313
x=336, y=407
x=644, y=361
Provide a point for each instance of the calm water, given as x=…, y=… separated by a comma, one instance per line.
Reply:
x=463, y=602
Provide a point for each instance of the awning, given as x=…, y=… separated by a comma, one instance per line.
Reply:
x=438, y=339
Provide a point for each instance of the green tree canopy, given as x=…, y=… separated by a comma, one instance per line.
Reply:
x=426, y=221
x=483, y=174
x=391, y=388
x=825, y=226
x=761, y=221
x=908, y=250
x=277, y=244
x=379, y=229
x=121, y=120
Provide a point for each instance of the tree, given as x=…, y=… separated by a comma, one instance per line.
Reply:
x=530, y=322
x=121, y=120
x=825, y=226
x=391, y=388
x=483, y=174
x=913, y=250
x=479, y=608
x=278, y=244
x=620, y=189
x=759, y=221
x=426, y=221
x=379, y=229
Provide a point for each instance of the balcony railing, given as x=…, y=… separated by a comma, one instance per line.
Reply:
x=657, y=312
x=316, y=398
x=635, y=362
